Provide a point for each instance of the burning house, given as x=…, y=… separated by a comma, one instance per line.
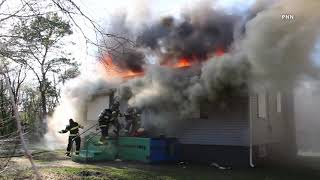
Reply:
x=221, y=83
x=243, y=128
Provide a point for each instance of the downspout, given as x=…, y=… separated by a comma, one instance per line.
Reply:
x=251, y=137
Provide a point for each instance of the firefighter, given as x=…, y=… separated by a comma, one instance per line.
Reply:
x=104, y=120
x=73, y=128
x=132, y=117
x=115, y=109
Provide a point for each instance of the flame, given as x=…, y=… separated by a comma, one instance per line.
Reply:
x=219, y=52
x=114, y=70
x=182, y=63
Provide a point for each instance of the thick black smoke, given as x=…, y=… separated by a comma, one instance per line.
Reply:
x=195, y=36
x=120, y=45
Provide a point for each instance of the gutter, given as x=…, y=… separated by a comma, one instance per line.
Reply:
x=251, y=137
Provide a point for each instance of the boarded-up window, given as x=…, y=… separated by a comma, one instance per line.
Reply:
x=262, y=105
x=279, y=102
x=195, y=113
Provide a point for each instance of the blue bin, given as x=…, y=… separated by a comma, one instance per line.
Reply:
x=163, y=150
x=173, y=149
x=157, y=150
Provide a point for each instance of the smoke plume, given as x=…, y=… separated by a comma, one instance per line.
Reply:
x=279, y=49
x=77, y=93
x=272, y=52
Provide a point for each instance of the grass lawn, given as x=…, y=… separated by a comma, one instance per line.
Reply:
x=167, y=173
x=51, y=169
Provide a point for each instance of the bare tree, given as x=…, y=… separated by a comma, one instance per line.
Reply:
x=16, y=76
x=18, y=121
x=110, y=43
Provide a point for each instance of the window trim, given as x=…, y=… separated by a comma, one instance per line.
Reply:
x=265, y=114
x=279, y=102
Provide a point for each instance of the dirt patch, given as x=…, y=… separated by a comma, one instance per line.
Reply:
x=50, y=156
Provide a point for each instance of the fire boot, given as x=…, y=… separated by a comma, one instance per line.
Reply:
x=103, y=140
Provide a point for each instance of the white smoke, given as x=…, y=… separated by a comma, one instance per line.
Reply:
x=279, y=49
x=74, y=98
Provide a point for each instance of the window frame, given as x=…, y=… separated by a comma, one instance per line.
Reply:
x=262, y=113
x=279, y=102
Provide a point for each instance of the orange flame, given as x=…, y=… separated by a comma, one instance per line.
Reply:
x=182, y=63
x=115, y=71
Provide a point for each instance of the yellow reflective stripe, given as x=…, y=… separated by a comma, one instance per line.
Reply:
x=73, y=135
x=103, y=126
x=74, y=128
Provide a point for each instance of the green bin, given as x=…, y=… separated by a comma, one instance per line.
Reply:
x=134, y=149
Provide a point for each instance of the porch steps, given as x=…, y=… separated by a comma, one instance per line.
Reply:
x=93, y=151
x=148, y=150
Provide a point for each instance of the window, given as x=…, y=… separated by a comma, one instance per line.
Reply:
x=263, y=150
x=279, y=102
x=262, y=105
x=204, y=111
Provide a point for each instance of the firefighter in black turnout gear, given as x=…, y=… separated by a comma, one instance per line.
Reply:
x=132, y=117
x=73, y=128
x=115, y=109
x=104, y=121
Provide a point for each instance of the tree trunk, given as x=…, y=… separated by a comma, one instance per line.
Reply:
x=42, y=123
x=43, y=103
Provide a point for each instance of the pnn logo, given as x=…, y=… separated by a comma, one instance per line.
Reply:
x=287, y=17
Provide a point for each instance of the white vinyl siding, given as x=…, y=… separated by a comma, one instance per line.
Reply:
x=217, y=132
x=224, y=125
